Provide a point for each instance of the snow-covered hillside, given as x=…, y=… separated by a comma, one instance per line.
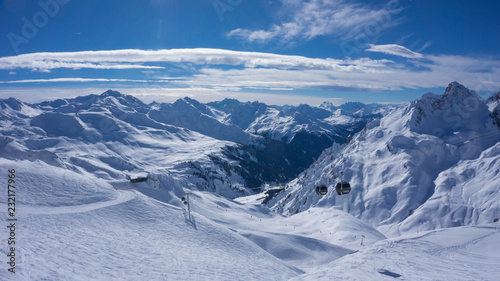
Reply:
x=74, y=227
x=433, y=163
x=461, y=253
x=190, y=114
x=78, y=227
x=466, y=194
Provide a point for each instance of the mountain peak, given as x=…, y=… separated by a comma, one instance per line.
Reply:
x=327, y=105
x=457, y=108
x=194, y=103
x=182, y=101
x=453, y=87
x=494, y=98
x=352, y=107
x=12, y=103
x=456, y=89
x=111, y=93
x=225, y=105
x=127, y=100
x=230, y=101
x=190, y=100
x=187, y=104
x=455, y=94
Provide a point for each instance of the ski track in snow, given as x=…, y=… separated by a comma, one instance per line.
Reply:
x=123, y=196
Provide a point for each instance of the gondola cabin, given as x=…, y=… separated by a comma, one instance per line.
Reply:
x=321, y=189
x=343, y=187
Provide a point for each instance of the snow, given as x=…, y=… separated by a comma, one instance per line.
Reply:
x=190, y=114
x=127, y=235
x=283, y=123
x=467, y=194
x=463, y=253
x=424, y=203
x=124, y=236
x=111, y=135
x=493, y=101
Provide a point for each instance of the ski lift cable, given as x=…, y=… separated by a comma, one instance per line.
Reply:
x=343, y=187
x=482, y=136
x=490, y=134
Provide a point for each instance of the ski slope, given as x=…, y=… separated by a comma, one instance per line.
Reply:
x=124, y=234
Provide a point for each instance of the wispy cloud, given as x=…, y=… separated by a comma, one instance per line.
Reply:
x=309, y=19
x=217, y=70
x=44, y=62
x=396, y=50
x=134, y=59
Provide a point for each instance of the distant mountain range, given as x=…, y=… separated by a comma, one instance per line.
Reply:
x=228, y=147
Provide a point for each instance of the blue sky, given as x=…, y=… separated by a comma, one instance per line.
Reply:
x=276, y=51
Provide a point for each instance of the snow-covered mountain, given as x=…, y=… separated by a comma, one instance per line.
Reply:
x=112, y=135
x=358, y=109
x=79, y=218
x=426, y=165
x=292, y=123
x=190, y=114
x=202, y=146
x=307, y=129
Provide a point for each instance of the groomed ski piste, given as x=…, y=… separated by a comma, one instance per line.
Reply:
x=74, y=226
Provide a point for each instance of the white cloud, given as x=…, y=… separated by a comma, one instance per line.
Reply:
x=129, y=59
x=309, y=19
x=225, y=71
x=396, y=50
